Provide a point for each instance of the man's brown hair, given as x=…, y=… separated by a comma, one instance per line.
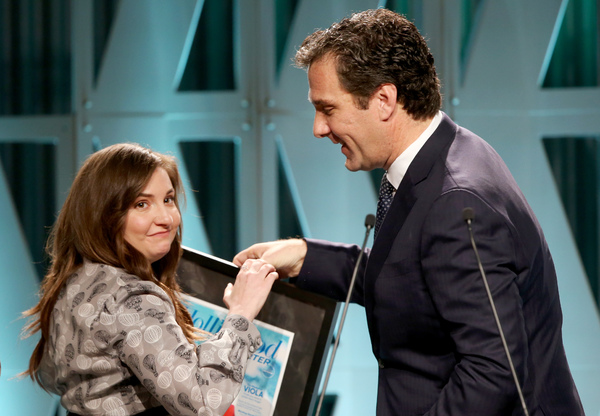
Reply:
x=378, y=47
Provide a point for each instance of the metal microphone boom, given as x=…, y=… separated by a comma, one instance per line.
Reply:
x=369, y=223
x=468, y=216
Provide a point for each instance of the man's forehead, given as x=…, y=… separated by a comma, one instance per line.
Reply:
x=322, y=81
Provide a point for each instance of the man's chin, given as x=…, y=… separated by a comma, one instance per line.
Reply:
x=351, y=167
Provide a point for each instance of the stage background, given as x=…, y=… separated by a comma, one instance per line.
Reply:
x=212, y=82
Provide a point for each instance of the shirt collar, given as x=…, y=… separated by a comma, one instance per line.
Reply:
x=398, y=168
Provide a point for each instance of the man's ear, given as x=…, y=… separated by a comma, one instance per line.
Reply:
x=385, y=99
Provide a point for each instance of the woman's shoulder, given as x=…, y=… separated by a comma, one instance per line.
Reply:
x=92, y=275
x=96, y=280
x=92, y=280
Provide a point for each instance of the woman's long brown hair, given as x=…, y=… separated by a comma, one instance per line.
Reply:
x=90, y=226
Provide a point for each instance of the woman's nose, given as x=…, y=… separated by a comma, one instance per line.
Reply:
x=163, y=216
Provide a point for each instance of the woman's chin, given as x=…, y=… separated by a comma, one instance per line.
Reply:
x=157, y=256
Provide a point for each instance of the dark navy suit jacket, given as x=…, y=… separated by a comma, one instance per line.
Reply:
x=430, y=321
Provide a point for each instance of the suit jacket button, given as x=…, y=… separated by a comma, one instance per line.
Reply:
x=380, y=363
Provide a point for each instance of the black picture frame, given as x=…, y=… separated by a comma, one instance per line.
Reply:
x=309, y=316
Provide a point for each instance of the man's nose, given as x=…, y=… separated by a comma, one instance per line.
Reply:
x=320, y=126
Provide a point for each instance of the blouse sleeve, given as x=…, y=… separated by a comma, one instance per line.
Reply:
x=186, y=378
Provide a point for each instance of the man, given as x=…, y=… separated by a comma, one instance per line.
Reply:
x=376, y=93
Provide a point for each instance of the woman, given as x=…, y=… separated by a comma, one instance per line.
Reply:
x=115, y=338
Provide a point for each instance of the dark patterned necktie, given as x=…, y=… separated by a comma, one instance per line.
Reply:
x=386, y=195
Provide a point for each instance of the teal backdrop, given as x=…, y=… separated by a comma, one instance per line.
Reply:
x=212, y=82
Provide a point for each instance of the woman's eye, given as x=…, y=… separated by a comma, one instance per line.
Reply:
x=170, y=200
x=141, y=204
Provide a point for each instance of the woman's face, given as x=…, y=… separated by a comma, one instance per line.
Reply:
x=152, y=221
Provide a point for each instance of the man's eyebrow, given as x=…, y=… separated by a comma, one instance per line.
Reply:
x=320, y=103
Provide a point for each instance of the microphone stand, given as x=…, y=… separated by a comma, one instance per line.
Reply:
x=369, y=223
x=468, y=216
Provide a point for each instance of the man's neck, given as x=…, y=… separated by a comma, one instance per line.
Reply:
x=406, y=131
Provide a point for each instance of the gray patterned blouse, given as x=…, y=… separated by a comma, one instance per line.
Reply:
x=115, y=349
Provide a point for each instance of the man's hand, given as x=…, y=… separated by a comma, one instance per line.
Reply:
x=286, y=255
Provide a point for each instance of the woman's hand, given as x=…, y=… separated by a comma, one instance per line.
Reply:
x=252, y=286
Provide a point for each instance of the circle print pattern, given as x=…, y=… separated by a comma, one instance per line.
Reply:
x=101, y=366
x=117, y=412
x=134, y=338
x=84, y=362
x=107, y=319
x=154, y=300
x=152, y=334
x=129, y=319
x=164, y=380
x=182, y=373
x=93, y=404
x=86, y=310
x=112, y=403
x=214, y=398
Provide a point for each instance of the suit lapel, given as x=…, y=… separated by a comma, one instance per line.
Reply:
x=406, y=196
x=394, y=220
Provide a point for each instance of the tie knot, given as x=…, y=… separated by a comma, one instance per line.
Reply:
x=386, y=187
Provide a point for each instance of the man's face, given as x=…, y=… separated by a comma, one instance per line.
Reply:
x=338, y=118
